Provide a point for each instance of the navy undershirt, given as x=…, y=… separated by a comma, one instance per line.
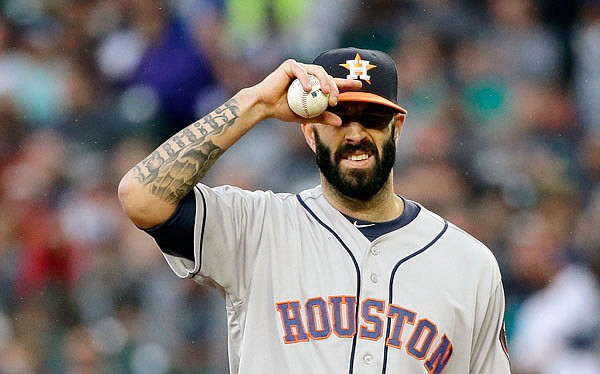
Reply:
x=373, y=230
x=175, y=236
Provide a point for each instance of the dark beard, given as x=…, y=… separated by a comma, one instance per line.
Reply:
x=357, y=184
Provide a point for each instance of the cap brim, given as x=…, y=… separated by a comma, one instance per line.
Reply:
x=367, y=97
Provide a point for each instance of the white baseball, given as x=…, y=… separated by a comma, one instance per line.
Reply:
x=307, y=104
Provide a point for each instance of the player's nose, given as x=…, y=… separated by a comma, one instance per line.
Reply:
x=355, y=132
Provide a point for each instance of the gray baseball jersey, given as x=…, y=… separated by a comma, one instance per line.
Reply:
x=307, y=292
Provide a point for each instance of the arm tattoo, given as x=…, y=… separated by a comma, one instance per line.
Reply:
x=174, y=168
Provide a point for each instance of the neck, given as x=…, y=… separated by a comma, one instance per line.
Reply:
x=383, y=206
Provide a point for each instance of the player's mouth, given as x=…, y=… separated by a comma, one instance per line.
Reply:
x=357, y=160
x=357, y=156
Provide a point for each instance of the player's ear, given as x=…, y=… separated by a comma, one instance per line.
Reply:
x=308, y=129
x=398, y=124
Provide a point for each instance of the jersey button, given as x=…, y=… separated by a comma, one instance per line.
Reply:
x=374, y=251
x=368, y=359
x=374, y=278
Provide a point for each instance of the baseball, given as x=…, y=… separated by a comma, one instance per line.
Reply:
x=307, y=104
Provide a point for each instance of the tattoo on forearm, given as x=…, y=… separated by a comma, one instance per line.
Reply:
x=173, y=169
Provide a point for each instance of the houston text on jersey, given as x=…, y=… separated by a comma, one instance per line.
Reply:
x=317, y=319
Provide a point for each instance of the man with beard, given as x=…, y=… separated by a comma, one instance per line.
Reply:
x=347, y=277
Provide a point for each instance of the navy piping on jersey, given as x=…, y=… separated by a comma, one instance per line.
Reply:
x=201, y=239
x=373, y=230
x=391, y=295
x=352, y=353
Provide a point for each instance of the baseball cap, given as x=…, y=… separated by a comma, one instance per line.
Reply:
x=375, y=69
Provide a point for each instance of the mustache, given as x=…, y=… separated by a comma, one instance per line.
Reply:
x=347, y=148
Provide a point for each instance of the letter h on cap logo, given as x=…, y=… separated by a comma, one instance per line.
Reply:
x=358, y=68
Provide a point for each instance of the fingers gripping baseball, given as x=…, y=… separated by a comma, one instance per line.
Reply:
x=304, y=74
x=272, y=91
x=307, y=104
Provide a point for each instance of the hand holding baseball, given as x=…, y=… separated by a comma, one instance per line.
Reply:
x=307, y=104
x=272, y=92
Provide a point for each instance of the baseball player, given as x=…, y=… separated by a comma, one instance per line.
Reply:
x=347, y=277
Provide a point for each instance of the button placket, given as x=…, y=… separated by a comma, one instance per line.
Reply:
x=374, y=278
x=374, y=250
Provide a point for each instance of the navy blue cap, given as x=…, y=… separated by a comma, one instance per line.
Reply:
x=376, y=69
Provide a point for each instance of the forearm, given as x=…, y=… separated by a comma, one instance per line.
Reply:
x=171, y=171
x=151, y=190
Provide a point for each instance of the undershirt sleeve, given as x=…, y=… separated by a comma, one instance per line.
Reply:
x=175, y=236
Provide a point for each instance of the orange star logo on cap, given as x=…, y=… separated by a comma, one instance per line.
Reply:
x=358, y=68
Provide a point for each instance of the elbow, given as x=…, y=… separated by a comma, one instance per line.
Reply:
x=143, y=209
x=130, y=193
x=125, y=192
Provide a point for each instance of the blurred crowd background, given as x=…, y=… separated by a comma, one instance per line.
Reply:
x=502, y=138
